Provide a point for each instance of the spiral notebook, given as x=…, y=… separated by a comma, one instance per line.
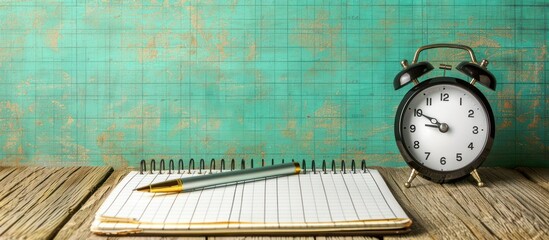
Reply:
x=313, y=202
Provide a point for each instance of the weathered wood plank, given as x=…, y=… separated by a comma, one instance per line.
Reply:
x=78, y=227
x=36, y=202
x=297, y=238
x=346, y=238
x=514, y=207
x=262, y=238
x=4, y=172
x=20, y=191
x=511, y=206
x=12, y=177
x=537, y=175
x=436, y=214
x=508, y=207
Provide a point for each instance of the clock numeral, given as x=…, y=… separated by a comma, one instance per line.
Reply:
x=475, y=130
x=416, y=144
x=460, y=101
x=418, y=112
x=443, y=160
x=471, y=113
x=470, y=146
x=412, y=128
x=444, y=97
x=459, y=157
x=429, y=101
x=428, y=154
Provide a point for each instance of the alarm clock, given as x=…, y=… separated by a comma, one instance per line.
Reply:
x=444, y=126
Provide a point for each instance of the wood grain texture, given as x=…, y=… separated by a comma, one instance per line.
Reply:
x=537, y=175
x=508, y=207
x=36, y=201
x=261, y=238
x=294, y=238
x=346, y=238
x=78, y=227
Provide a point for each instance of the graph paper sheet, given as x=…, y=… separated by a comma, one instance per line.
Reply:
x=315, y=203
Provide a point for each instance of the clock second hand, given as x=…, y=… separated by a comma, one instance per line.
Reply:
x=442, y=127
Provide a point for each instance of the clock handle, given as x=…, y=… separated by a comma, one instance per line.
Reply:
x=445, y=45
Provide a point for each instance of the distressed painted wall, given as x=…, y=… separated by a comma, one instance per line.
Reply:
x=113, y=82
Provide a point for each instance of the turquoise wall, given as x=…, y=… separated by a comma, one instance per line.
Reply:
x=113, y=82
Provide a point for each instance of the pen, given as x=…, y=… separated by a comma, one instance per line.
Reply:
x=191, y=183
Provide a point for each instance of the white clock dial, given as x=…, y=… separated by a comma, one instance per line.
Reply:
x=445, y=127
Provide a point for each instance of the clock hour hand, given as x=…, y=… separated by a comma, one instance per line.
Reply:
x=442, y=127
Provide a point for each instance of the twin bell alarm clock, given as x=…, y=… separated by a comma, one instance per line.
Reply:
x=444, y=126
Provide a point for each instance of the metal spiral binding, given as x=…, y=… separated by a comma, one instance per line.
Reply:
x=232, y=164
x=143, y=166
x=212, y=167
x=180, y=166
x=191, y=162
x=222, y=167
x=162, y=165
x=201, y=165
x=153, y=166
x=171, y=166
x=212, y=163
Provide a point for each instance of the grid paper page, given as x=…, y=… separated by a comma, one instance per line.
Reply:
x=331, y=199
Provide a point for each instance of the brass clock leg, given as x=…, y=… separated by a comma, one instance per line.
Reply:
x=475, y=175
x=413, y=175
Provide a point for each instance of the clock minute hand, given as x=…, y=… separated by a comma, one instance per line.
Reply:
x=442, y=127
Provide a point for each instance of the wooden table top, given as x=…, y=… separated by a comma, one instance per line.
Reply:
x=60, y=203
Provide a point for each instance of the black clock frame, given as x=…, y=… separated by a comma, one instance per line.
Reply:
x=431, y=174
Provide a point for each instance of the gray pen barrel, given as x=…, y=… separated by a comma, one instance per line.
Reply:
x=207, y=180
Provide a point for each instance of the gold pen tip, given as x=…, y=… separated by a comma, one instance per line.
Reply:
x=143, y=189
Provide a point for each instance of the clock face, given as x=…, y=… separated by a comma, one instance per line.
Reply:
x=445, y=126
